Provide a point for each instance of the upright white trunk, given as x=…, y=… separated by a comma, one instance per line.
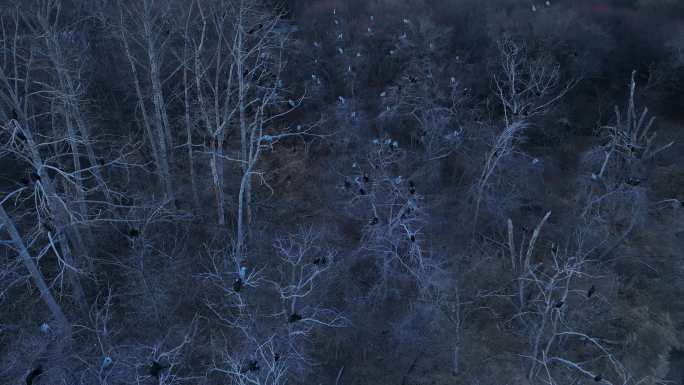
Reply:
x=158, y=152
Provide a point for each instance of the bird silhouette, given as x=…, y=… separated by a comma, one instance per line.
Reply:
x=591, y=291
x=237, y=285
x=156, y=368
x=33, y=374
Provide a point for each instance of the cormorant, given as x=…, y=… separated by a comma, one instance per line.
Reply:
x=14, y=115
x=559, y=304
x=252, y=366
x=237, y=285
x=362, y=191
x=633, y=181
x=48, y=227
x=374, y=221
x=366, y=178
x=347, y=184
x=156, y=369
x=254, y=29
x=598, y=378
x=320, y=261
x=413, y=238
x=591, y=291
x=133, y=232
x=34, y=373
x=294, y=317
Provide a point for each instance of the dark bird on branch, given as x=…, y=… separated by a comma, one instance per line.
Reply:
x=366, y=178
x=33, y=374
x=559, y=304
x=252, y=366
x=237, y=285
x=598, y=378
x=294, y=317
x=156, y=368
x=133, y=232
x=591, y=291
x=633, y=181
x=374, y=221
x=48, y=227
x=14, y=115
x=320, y=261
x=413, y=238
x=347, y=184
x=362, y=191
x=255, y=29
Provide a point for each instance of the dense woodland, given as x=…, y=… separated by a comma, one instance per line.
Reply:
x=343, y=192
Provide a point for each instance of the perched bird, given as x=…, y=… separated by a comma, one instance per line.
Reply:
x=374, y=221
x=294, y=317
x=559, y=304
x=48, y=227
x=252, y=366
x=362, y=191
x=366, y=178
x=413, y=237
x=633, y=181
x=320, y=261
x=237, y=285
x=591, y=291
x=412, y=187
x=156, y=368
x=14, y=115
x=133, y=232
x=106, y=362
x=598, y=378
x=33, y=374
x=347, y=184
x=256, y=28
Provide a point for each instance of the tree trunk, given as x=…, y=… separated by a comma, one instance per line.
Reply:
x=36, y=275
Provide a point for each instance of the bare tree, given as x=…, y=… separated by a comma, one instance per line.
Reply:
x=54, y=215
x=148, y=32
x=258, y=47
x=37, y=277
x=526, y=87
